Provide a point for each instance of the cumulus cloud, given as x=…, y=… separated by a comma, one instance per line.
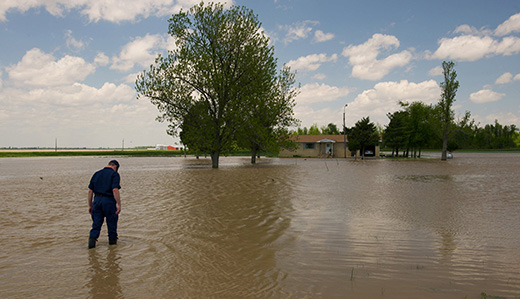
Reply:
x=505, y=118
x=473, y=44
x=322, y=116
x=384, y=98
x=0, y=79
x=311, y=62
x=79, y=115
x=512, y=25
x=96, y=10
x=101, y=59
x=436, y=71
x=364, y=57
x=485, y=96
x=320, y=36
x=319, y=93
x=141, y=51
x=464, y=48
x=296, y=31
x=38, y=69
x=504, y=78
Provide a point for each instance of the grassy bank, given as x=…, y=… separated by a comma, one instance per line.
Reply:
x=128, y=153
x=71, y=153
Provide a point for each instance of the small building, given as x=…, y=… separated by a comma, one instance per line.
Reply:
x=324, y=146
x=164, y=147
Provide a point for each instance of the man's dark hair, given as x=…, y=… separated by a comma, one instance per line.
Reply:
x=114, y=163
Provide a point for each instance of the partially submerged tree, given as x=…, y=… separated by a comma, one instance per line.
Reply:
x=396, y=134
x=264, y=126
x=363, y=134
x=222, y=67
x=445, y=113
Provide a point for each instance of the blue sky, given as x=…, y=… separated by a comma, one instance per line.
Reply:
x=67, y=68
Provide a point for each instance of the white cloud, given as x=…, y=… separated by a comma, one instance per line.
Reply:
x=73, y=44
x=101, y=59
x=485, y=96
x=384, y=98
x=436, y=71
x=296, y=31
x=364, y=60
x=39, y=69
x=517, y=77
x=311, y=62
x=320, y=36
x=467, y=29
x=504, y=78
x=319, y=93
x=473, y=44
x=130, y=78
x=0, y=79
x=506, y=118
x=319, y=77
x=464, y=48
x=141, y=51
x=322, y=117
x=510, y=26
x=508, y=46
x=79, y=115
x=96, y=10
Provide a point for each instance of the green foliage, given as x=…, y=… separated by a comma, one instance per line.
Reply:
x=217, y=86
x=330, y=129
x=445, y=113
x=363, y=134
x=397, y=133
x=264, y=125
x=313, y=130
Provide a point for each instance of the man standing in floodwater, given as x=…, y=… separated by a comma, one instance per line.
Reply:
x=104, y=187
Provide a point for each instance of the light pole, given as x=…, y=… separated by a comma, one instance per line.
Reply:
x=344, y=138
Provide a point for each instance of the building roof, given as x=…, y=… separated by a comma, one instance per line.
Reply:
x=317, y=138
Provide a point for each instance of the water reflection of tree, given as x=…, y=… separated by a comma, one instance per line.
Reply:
x=227, y=240
x=104, y=274
x=447, y=247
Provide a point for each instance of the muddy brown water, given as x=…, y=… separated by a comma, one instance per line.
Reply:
x=284, y=228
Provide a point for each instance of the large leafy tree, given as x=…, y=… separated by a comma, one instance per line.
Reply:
x=419, y=125
x=363, y=134
x=396, y=134
x=270, y=112
x=221, y=66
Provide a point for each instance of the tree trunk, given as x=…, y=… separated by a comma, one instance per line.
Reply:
x=253, y=155
x=214, y=159
x=444, y=144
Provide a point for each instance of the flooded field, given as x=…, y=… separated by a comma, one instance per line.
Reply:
x=284, y=228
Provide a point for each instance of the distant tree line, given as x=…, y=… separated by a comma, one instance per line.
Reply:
x=417, y=126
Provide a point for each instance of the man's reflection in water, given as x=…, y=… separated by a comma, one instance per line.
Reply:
x=104, y=274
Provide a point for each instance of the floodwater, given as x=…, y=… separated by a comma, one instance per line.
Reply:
x=284, y=228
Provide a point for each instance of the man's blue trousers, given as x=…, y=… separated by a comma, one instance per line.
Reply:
x=104, y=207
